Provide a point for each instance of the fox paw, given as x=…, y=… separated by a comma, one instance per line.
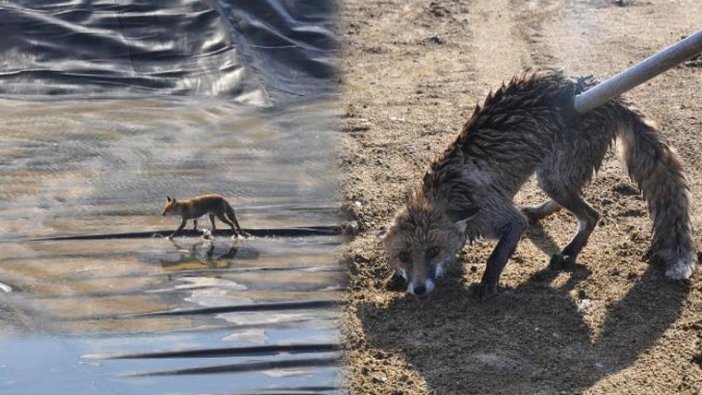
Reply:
x=485, y=291
x=561, y=262
x=680, y=270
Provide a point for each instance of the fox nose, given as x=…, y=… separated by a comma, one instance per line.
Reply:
x=420, y=290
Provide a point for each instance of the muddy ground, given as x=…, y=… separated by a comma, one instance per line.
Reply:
x=413, y=70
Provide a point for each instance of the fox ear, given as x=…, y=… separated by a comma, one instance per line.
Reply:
x=168, y=198
x=462, y=214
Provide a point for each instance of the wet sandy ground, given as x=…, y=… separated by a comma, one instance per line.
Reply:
x=412, y=73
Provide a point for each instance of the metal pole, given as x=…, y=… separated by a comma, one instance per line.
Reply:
x=639, y=73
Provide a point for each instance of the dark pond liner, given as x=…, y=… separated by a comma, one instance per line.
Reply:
x=245, y=367
x=320, y=390
x=276, y=306
x=306, y=231
x=303, y=390
x=225, y=352
x=223, y=48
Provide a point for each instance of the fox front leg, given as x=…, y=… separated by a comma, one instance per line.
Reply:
x=509, y=238
x=182, y=225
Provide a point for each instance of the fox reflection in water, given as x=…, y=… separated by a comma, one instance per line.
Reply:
x=208, y=254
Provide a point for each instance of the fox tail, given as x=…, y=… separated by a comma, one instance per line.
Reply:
x=659, y=173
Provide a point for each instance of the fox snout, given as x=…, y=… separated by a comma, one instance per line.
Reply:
x=169, y=206
x=423, y=282
x=421, y=290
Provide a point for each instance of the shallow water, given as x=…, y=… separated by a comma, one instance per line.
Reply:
x=82, y=168
x=108, y=108
x=228, y=310
x=77, y=167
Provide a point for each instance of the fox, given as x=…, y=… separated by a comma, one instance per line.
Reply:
x=529, y=126
x=196, y=207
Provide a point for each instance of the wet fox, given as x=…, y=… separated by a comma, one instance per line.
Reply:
x=528, y=126
x=194, y=208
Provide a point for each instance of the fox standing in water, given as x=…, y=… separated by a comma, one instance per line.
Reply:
x=526, y=127
x=194, y=208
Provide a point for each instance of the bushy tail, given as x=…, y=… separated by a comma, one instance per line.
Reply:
x=658, y=171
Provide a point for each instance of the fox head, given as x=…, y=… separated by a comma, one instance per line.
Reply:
x=170, y=207
x=422, y=239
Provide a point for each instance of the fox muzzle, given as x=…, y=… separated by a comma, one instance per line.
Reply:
x=420, y=287
x=421, y=290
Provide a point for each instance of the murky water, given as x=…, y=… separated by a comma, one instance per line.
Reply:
x=110, y=107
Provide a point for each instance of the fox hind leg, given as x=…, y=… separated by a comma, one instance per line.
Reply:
x=563, y=175
x=224, y=219
x=214, y=226
x=587, y=220
x=194, y=224
x=543, y=210
x=232, y=216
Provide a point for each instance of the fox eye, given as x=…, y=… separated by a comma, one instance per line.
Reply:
x=432, y=252
x=404, y=257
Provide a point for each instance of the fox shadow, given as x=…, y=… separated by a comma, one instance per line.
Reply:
x=529, y=339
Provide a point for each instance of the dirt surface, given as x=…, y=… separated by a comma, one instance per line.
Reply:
x=413, y=70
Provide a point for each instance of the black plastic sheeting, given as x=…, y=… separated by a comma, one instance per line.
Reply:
x=259, y=51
